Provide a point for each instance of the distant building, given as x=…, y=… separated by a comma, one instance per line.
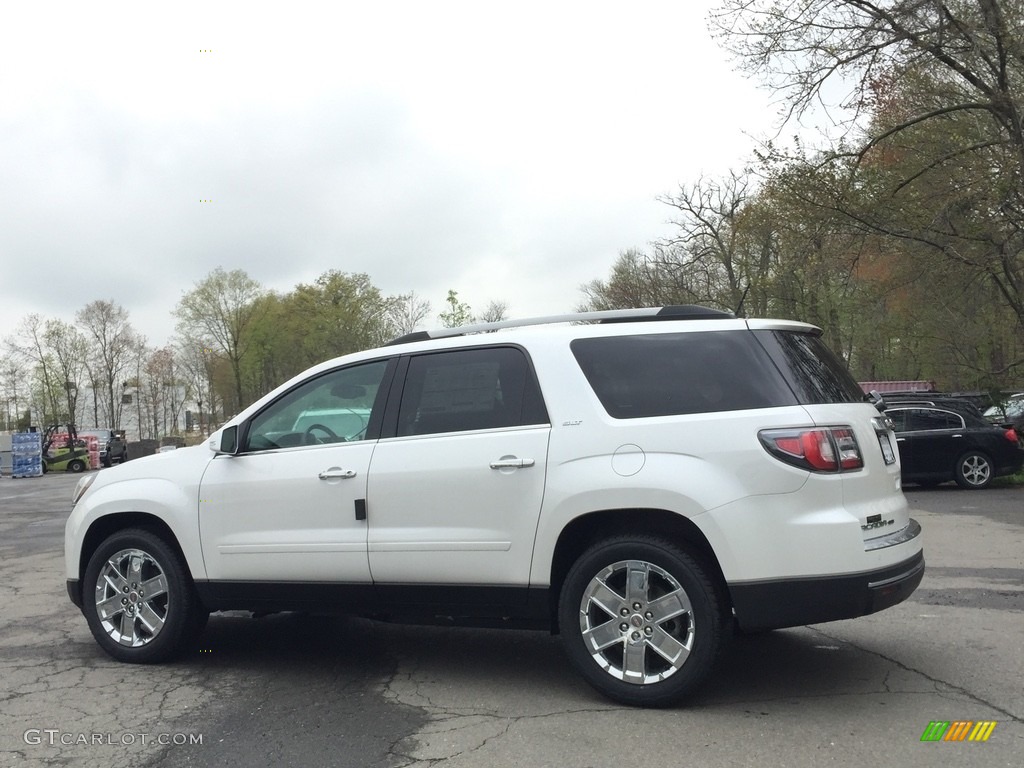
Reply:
x=897, y=386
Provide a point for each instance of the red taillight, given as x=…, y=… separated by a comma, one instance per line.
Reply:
x=1011, y=435
x=820, y=449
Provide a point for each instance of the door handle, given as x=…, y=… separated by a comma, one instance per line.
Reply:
x=336, y=474
x=513, y=463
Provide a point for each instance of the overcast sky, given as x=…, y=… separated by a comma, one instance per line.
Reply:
x=509, y=151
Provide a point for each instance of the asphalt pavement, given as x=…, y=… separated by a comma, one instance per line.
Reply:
x=294, y=689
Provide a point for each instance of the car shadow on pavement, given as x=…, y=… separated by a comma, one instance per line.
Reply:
x=797, y=663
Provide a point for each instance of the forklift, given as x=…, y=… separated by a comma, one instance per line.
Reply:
x=73, y=457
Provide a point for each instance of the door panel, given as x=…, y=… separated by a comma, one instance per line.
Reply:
x=270, y=517
x=284, y=509
x=439, y=513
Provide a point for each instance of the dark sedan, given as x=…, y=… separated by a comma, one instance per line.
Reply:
x=938, y=444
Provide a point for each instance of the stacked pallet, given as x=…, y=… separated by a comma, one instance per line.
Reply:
x=92, y=444
x=26, y=454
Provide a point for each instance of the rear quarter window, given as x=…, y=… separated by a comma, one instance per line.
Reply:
x=680, y=373
x=813, y=370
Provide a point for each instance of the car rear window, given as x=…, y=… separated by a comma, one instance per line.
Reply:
x=813, y=370
x=679, y=373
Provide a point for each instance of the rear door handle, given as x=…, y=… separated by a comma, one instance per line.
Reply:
x=336, y=474
x=511, y=463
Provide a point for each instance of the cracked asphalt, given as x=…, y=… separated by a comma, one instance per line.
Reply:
x=293, y=689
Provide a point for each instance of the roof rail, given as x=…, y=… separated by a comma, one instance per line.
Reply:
x=670, y=312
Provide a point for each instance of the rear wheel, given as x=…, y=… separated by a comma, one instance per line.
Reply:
x=974, y=470
x=641, y=620
x=76, y=466
x=139, y=599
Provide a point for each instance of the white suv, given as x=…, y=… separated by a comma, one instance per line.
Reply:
x=640, y=482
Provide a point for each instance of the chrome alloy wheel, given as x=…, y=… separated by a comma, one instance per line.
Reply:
x=637, y=622
x=131, y=597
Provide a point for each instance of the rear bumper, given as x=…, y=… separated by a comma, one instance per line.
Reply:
x=795, y=602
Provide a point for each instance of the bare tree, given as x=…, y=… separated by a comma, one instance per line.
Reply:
x=407, y=312
x=29, y=345
x=69, y=350
x=12, y=377
x=113, y=342
x=709, y=246
x=196, y=359
x=496, y=312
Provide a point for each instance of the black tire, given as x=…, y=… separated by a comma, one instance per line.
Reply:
x=974, y=471
x=692, y=631
x=107, y=462
x=76, y=466
x=163, y=624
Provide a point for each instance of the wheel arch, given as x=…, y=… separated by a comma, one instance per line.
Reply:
x=586, y=530
x=103, y=527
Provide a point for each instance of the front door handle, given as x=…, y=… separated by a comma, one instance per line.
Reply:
x=511, y=463
x=336, y=474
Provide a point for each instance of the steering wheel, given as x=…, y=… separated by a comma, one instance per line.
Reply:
x=312, y=439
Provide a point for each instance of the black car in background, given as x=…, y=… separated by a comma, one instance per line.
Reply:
x=938, y=444
x=956, y=403
x=113, y=447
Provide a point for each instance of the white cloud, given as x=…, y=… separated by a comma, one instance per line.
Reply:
x=508, y=151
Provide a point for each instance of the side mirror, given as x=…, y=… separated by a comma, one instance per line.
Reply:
x=228, y=442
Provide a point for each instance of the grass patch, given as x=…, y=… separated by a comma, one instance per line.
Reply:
x=1010, y=480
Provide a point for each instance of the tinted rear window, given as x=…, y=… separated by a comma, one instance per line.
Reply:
x=811, y=368
x=667, y=374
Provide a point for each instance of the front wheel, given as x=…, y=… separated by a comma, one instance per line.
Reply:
x=139, y=600
x=641, y=620
x=974, y=470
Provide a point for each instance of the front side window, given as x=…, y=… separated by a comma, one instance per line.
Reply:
x=335, y=407
x=469, y=389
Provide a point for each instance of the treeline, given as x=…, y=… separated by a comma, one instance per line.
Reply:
x=234, y=341
x=904, y=237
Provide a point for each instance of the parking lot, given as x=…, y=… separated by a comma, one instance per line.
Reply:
x=294, y=689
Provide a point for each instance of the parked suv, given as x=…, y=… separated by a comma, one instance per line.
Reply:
x=113, y=447
x=636, y=480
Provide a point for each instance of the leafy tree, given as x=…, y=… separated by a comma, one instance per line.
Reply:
x=457, y=313
x=223, y=308
x=935, y=121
